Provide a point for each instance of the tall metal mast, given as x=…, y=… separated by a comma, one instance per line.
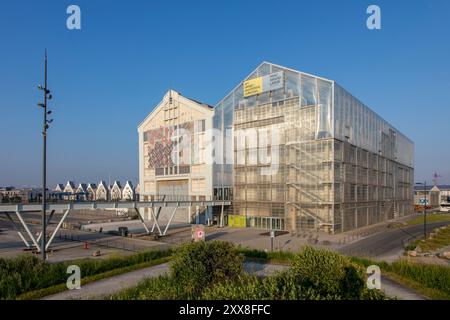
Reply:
x=47, y=96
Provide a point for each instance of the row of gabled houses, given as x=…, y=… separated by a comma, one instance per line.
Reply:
x=98, y=192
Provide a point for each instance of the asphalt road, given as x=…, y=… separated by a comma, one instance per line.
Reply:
x=388, y=245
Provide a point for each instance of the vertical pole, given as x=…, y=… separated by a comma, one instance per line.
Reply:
x=425, y=212
x=197, y=217
x=272, y=236
x=221, y=222
x=44, y=164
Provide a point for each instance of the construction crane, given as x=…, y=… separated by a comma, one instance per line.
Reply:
x=436, y=177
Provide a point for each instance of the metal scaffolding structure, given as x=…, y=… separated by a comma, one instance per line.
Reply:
x=338, y=165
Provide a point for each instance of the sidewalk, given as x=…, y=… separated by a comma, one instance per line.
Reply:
x=108, y=286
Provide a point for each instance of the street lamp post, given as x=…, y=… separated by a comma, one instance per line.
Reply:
x=424, y=208
x=47, y=96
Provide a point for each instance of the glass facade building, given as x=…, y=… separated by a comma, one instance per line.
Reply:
x=300, y=152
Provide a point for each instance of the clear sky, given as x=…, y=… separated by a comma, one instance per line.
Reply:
x=109, y=75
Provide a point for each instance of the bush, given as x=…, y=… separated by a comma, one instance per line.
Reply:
x=213, y=271
x=202, y=264
x=282, y=286
x=19, y=274
x=160, y=288
x=274, y=256
x=328, y=273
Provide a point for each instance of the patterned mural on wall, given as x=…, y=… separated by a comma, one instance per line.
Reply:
x=160, y=145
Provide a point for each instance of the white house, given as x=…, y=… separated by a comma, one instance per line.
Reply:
x=82, y=191
x=102, y=192
x=128, y=191
x=70, y=189
x=116, y=191
x=91, y=191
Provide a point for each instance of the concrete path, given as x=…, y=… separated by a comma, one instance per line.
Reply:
x=396, y=290
x=111, y=285
x=108, y=286
x=263, y=270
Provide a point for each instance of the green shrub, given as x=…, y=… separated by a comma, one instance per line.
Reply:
x=160, y=288
x=328, y=273
x=201, y=264
x=250, y=287
x=277, y=256
x=213, y=271
x=282, y=286
x=18, y=274
x=410, y=246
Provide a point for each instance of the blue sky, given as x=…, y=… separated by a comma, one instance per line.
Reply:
x=109, y=75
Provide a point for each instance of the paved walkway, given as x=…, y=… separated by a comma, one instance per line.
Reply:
x=108, y=286
x=394, y=289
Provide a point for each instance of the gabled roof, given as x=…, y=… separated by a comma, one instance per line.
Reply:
x=198, y=104
x=271, y=66
x=70, y=184
x=129, y=184
x=92, y=186
x=265, y=68
x=102, y=184
x=116, y=183
x=82, y=186
x=440, y=187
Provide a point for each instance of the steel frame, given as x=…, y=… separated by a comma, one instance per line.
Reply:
x=18, y=209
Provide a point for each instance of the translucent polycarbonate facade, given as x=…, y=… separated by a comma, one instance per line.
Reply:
x=360, y=126
x=308, y=156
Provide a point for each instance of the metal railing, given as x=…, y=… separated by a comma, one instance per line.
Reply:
x=149, y=198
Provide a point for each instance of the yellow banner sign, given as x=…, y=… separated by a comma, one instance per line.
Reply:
x=237, y=221
x=252, y=87
x=266, y=83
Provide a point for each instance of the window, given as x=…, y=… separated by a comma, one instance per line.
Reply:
x=292, y=84
x=309, y=91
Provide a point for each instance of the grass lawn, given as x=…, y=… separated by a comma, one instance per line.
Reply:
x=431, y=217
x=27, y=277
x=40, y=293
x=439, y=240
x=432, y=281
